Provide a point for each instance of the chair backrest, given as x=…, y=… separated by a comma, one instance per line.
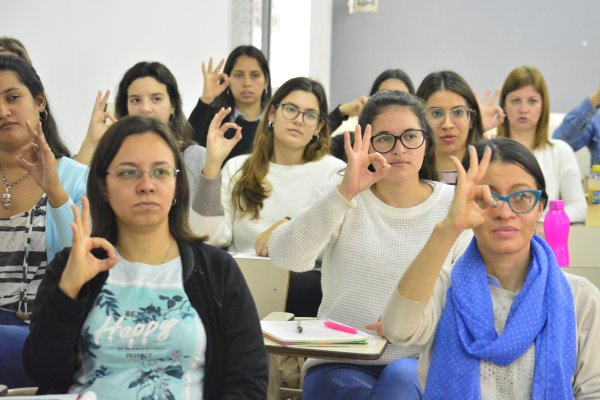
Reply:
x=268, y=284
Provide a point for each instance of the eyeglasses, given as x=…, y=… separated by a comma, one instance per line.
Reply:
x=290, y=111
x=410, y=139
x=134, y=174
x=458, y=115
x=521, y=201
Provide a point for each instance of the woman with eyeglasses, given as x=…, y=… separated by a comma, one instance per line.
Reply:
x=524, y=98
x=455, y=117
x=368, y=229
x=139, y=307
x=244, y=85
x=390, y=79
x=505, y=322
x=241, y=205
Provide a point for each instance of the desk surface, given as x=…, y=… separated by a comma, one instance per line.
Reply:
x=371, y=351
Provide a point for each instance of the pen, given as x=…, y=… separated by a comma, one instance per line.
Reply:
x=299, y=326
x=340, y=327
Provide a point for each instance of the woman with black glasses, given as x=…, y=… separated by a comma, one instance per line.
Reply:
x=369, y=228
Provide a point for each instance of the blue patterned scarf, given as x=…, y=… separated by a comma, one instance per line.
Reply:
x=542, y=313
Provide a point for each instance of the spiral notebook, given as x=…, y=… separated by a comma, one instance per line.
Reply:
x=314, y=333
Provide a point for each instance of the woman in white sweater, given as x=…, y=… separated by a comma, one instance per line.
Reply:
x=505, y=323
x=369, y=228
x=524, y=98
x=240, y=206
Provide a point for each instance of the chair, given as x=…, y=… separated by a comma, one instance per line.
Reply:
x=268, y=284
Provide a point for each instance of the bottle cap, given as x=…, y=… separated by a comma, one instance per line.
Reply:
x=595, y=168
x=557, y=204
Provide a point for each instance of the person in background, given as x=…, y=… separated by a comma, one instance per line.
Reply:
x=242, y=204
x=524, y=98
x=40, y=183
x=505, y=322
x=390, y=79
x=139, y=306
x=147, y=89
x=15, y=47
x=369, y=228
x=244, y=85
x=455, y=117
x=581, y=127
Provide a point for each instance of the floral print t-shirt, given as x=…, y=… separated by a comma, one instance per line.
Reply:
x=142, y=338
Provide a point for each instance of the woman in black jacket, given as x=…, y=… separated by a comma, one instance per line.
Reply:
x=140, y=307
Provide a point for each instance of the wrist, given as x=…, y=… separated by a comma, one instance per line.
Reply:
x=57, y=197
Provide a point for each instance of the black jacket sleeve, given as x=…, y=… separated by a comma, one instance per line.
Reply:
x=50, y=353
x=200, y=120
x=336, y=118
x=245, y=367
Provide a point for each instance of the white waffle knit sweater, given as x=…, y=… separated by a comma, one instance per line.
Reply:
x=367, y=245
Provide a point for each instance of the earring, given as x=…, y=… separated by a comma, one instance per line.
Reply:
x=315, y=137
x=270, y=124
x=44, y=115
x=174, y=201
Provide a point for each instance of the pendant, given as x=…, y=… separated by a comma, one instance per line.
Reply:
x=6, y=199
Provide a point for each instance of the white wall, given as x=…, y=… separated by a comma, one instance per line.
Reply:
x=81, y=46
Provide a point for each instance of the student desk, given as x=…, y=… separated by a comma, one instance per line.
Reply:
x=371, y=351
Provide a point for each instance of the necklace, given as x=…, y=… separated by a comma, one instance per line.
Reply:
x=164, y=259
x=166, y=256
x=6, y=196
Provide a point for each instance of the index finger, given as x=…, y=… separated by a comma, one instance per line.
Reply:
x=366, y=140
x=85, y=215
x=220, y=65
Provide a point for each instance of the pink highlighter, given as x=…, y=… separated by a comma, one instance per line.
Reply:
x=340, y=327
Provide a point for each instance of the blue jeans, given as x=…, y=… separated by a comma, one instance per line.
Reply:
x=397, y=380
x=13, y=333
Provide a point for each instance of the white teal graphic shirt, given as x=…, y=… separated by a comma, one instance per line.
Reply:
x=142, y=339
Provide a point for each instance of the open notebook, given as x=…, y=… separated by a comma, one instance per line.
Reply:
x=314, y=333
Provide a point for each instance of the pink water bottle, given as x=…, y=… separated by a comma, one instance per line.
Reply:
x=556, y=229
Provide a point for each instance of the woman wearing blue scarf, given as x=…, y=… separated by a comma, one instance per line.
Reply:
x=505, y=323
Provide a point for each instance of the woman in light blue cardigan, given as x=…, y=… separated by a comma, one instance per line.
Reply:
x=40, y=183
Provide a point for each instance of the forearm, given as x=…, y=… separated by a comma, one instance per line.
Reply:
x=418, y=281
x=86, y=151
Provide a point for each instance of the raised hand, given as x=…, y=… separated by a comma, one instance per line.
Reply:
x=98, y=124
x=215, y=81
x=470, y=198
x=492, y=115
x=82, y=266
x=96, y=128
x=353, y=107
x=37, y=159
x=357, y=176
x=218, y=146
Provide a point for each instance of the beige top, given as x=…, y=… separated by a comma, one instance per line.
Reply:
x=406, y=322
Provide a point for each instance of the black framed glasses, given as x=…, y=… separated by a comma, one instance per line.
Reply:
x=130, y=174
x=521, y=201
x=410, y=139
x=460, y=114
x=290, y=111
